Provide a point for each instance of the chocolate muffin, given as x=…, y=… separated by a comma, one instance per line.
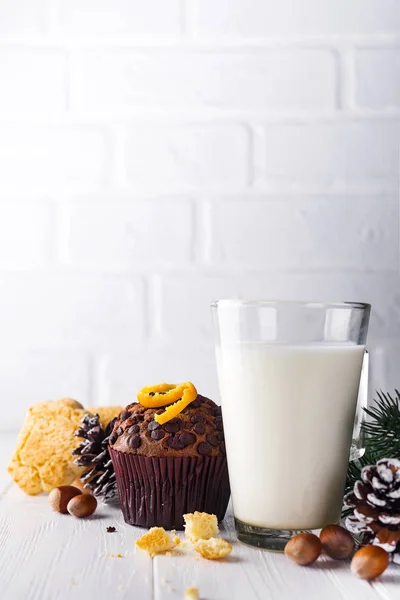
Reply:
x=166, y=470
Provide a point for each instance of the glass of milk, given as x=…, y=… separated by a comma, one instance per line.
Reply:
x=289, y=376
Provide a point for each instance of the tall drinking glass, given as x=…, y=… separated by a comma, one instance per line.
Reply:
x=289, y=376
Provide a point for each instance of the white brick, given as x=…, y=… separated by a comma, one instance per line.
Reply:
x=119, y=17
x=22, y=17
x=319, y=233
x=122, y=375
x=25, y=234
x=51, y=158
x=29, y=377
x=332, y=154
x=276, y=80
x=32, y=80
x=156, y=233
x=186, y=316
x=259, y=18
x=377, y=75
x=187, y=156
x=88, y=312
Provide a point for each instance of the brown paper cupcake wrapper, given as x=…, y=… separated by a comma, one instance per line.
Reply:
x=157, y=492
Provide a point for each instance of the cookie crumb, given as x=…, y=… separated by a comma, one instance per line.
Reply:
x=118, y=555
x=156, y=541
x=176, y=540
x=191, y=593
x=111, y=530
x=213, y=549
x=200, y=526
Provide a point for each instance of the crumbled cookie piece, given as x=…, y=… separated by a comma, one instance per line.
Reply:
x=111, y=529
x=155, y=541
x=176, y=540
x=213, y=549
x=200, y=526
x=191, y=593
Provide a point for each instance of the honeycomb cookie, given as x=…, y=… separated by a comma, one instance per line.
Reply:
x=42, y=457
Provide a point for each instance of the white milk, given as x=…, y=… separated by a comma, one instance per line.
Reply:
x=288, y=419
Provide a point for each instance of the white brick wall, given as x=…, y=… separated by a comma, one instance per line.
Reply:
x=366, y=228
x=361, y=154
x=278, y=80
x=206, y=155
x=377, y=78
x=123, y=235
x=52, y=158
x=140, y=18
x=262, y=18
x=157, y=155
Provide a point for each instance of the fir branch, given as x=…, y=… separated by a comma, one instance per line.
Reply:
x=382, y=435
x=382, y=432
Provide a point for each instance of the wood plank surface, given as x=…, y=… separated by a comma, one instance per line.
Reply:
x=47, y=556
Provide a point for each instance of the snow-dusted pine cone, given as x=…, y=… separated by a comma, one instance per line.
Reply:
x=93, y=454
x=376, y=506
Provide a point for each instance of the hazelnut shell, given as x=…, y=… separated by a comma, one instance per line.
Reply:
x=369, y=562
x=61, y=495
x=82, y=506
x=303, y=548
x=337, y=542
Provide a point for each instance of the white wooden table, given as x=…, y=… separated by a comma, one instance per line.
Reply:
x=47, y=556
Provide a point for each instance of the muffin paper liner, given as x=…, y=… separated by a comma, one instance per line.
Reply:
x=157, y=492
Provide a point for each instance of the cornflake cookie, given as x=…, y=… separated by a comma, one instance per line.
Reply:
x=42, y=458
x=200, y=526
x=155, y=541
x=106, y=413
x=213, y=549
x=192, y=593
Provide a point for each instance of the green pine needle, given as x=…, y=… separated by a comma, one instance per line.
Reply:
x=382, y=435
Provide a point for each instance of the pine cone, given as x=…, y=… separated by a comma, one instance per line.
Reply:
x=376, y=504
x=93, y=454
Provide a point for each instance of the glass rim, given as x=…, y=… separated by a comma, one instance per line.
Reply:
x=238, y=303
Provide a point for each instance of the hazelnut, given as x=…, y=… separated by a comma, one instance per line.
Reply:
x=337, y=542
x=82, y=506
x=61, y=495
x=369, y=562
x=303, y=548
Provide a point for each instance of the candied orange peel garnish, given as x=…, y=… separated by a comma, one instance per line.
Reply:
x=164, y=394
x=189, y=394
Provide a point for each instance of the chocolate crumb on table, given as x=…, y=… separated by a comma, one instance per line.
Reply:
x=111, y=530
